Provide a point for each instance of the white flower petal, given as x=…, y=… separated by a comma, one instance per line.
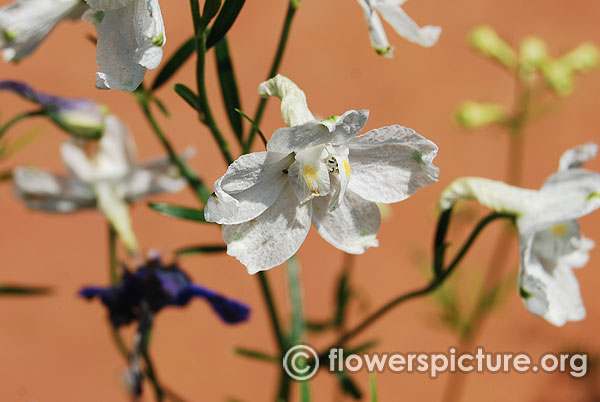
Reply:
x=297, y=138
x=294, y=109
x=116, y=210
x=574, y=158
x=153, y=177
x=308, y=174
x=24, y=24
x=379, y=40
x=47, y=192
x=553, y=294
x=390, y=163
x=106, y=5
x=406, y=27
x=273, y=237
x=352, y=227
x=340, y=177
x=110, y=159
x=116, y=55
x=149, y=32
x=251, y=185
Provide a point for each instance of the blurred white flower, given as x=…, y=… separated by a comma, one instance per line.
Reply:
x=404, y=26
x=24, y=24
x=319, y=172
x=100, y=173
x=131, y=35
x=549, y=239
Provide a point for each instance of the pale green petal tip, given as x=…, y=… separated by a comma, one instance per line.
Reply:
x=331, y=119
x=159, y=40
x=384, y=51
x=9, y=36
x=524, y=293
x=593, y=196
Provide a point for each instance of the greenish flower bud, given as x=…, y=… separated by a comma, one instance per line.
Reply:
x=470, y=115
x=559, y=76
x=583, y=58
x=533, y=51
x=485, y=40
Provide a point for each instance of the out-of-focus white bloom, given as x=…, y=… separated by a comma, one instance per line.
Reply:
x=100, y=173
x=24, y=24
x=319, y=172
x=131, y=35
x=391, y=11
x=549, y=239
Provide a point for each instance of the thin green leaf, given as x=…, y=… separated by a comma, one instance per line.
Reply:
x=174, y=211
x=229, y=89
x=318, y=326
x=373, y=386
x=23, y=141
x=18, y=290
x=189, y=96
x=224, y=21
x=347, y=385
x=253, y=123
x=257, y=355
x=161, y=106
x=174, y=63
x=342, y=298
x=211, y=8
x=201, y=250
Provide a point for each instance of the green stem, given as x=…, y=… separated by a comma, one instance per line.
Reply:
x=16, y=119
x=269, y=300
x=486, y=298
x=199, y=189
x=112, y=255
x=150, y=371
x=206, y=115
x=262, y=103
x=433, y=284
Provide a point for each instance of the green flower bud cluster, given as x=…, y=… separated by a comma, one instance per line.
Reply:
x=533, y=60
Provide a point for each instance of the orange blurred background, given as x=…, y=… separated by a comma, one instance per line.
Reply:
x=57, y=348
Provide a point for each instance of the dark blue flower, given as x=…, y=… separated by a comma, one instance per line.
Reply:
x=80, y=117
x=154, y=286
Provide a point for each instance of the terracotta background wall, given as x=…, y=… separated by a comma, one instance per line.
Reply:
x=57, y=348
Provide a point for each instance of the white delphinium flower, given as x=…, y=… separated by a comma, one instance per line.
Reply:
x=24, y=24
x=550, y=242
x=391, y=11
x=319, y=172
x=101, y=174
x=131, y=35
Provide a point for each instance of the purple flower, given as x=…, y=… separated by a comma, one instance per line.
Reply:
x=154, y=286
x=80, y=117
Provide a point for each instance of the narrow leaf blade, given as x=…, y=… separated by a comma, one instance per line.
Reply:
x=174, y=63
x=204, y=249
x=229, y=89
x=174, y=211
x=348, y=386
x=19, y=290
x=189, y=96
x=224, y=21
x=211, y=8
